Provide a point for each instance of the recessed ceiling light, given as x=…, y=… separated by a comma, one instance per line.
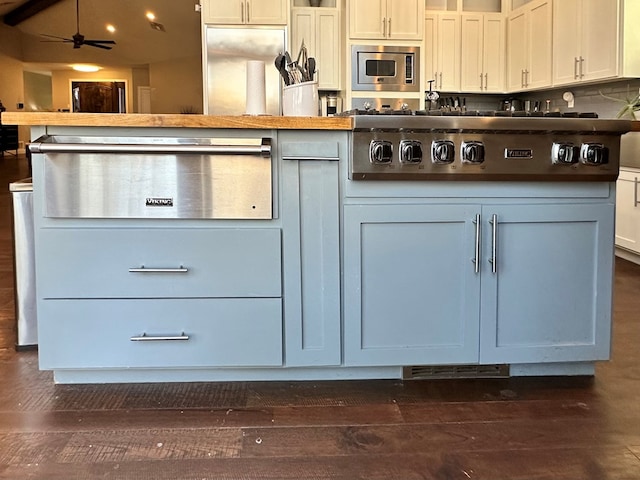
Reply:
x=151, y=16
x=111, y=28
x=85, y=68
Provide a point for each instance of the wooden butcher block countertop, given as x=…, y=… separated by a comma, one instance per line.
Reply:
x=176, y=120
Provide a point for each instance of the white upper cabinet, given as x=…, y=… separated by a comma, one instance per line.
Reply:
x=246, y=12
x=442, y=51
x=529, y=46
x=386, y=19
x=483, y=53
x=585, y=34
x=595, y=40
x=320, y=30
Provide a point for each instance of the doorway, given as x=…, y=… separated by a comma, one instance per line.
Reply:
x=104, y=96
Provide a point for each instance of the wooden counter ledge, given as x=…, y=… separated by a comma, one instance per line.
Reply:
x=175, y=120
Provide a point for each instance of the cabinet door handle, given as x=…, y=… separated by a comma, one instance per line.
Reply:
x=159, y=338
x=522, y=78
x=494, y=243
x=635, y=192
x=486, y=81
x=481, y=85
x=248, y=12
x=581, y=65
x=440, y=80
x=317, y=158
x=241, y=12
x=476, y=259
x=389, y=27
x=143, y=269
x=575, y=68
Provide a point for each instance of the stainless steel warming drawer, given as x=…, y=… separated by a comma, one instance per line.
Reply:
x=156, y=177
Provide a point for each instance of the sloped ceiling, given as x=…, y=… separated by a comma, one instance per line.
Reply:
x=136, y=42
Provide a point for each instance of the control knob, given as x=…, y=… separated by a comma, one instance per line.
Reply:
x=380, y=152
x=472, y=152
x=410, y=151
x=564, y=154
x=594, y=154
x=442, y=151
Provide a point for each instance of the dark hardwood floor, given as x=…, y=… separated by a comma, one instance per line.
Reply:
x=493, y=429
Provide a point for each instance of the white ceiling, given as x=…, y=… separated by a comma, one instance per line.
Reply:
x=136, y=42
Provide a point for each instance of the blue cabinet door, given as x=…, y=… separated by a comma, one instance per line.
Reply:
x=411, y=291
x=549, y=299
x=311, y=247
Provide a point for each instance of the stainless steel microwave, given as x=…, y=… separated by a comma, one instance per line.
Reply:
x=384, y=68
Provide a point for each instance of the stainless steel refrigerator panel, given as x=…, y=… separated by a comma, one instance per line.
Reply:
x=228, y=50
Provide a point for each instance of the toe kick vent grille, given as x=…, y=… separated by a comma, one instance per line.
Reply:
x=455, y=371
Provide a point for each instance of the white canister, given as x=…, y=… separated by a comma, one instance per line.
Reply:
x=300, y=100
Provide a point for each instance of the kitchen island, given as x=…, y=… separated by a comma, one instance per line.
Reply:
x=341, y=279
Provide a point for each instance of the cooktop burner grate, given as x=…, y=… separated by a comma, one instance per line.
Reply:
x=466, y=113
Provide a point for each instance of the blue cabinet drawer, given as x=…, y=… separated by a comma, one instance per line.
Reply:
x=160, y=333
x=158, y=262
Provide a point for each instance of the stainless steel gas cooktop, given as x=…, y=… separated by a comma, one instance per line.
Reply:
x=411, y=146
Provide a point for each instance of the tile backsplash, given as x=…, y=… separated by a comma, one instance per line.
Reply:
x=587, y=98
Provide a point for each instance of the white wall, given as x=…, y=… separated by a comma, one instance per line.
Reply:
x=176, y=85
x=11, y=82
x=37, y=92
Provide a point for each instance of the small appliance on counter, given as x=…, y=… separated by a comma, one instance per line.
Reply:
x=330, y=105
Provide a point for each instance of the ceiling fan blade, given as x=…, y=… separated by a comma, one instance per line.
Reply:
x=64, y=39
x=108, y=42
x=97, y=45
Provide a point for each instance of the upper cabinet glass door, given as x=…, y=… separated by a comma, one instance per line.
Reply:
x=490, y=6
x=448, y=5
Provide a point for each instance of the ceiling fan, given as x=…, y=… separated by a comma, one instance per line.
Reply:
x=78, y=39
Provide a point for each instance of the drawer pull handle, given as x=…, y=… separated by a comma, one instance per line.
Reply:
x=159, y=338
x=46, y=145
x=144, y=269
